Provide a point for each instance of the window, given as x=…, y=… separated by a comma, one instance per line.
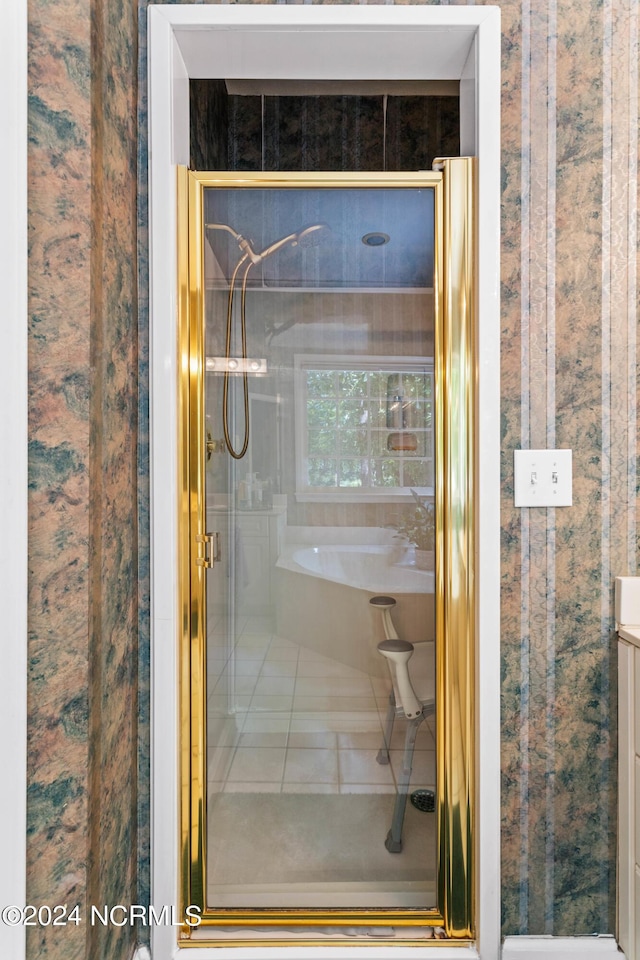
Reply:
x=364, y=427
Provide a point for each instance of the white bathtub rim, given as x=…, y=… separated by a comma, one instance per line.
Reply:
x=334, y=536
x=396, y=578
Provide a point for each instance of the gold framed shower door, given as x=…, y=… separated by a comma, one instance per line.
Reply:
x=455, y=501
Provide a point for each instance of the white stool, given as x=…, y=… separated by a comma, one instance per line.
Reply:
x=412, y=697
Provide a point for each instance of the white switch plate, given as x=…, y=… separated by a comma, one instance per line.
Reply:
x=542, y=478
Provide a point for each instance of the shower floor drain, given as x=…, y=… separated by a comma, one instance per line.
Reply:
x=424, y=800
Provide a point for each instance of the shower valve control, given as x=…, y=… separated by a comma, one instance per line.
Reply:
x=542, y=478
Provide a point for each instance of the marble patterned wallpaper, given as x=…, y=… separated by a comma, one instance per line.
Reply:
x=568, y=363
x=84, y=584
x=569, y=378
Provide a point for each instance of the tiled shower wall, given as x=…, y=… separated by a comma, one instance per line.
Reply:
x=568, y=364
x=235, y=132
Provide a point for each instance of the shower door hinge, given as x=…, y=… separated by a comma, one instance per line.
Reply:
x=212, y=552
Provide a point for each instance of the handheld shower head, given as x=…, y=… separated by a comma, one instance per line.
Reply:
x=313, y=236
x=307, y=237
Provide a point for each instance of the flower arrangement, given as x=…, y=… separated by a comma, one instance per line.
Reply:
x=419, y=526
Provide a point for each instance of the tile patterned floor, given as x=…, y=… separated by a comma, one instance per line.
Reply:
x=283, y=719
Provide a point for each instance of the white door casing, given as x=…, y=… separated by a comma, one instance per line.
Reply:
x=336, y=43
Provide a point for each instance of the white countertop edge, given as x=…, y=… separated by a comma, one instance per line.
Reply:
x=630, y=633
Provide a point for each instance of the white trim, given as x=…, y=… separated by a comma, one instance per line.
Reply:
x=487, y=99
x=168, y=96
x=560, y=948
x=626, y=929
x=13, y=479
x=282, y=31
x=331, y=951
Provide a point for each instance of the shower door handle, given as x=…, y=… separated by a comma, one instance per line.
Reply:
x=210, y=540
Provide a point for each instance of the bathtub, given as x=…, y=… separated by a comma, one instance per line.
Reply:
x=323, y=591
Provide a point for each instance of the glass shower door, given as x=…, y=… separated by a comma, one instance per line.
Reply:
x=315, y=343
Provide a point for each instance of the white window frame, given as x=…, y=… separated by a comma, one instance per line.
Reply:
x=340, y=362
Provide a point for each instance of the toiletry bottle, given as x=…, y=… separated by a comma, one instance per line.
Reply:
x=267, y=494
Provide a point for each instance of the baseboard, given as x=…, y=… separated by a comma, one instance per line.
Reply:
x=528, y=948
x=559, y=948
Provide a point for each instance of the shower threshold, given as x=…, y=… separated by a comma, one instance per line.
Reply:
x=406, y=894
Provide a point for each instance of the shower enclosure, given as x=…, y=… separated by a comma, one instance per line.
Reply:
x=326, y=529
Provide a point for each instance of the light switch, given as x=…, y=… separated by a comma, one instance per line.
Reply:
x=543, y=478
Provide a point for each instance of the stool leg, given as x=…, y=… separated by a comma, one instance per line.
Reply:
x=393, y=843
x=383, y=753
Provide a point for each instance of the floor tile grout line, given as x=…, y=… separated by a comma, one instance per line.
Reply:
x=287, y=747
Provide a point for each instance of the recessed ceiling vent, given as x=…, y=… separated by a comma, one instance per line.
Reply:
x=376, y=239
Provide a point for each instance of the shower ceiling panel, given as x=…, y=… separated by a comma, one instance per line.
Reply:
x=333, y=258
